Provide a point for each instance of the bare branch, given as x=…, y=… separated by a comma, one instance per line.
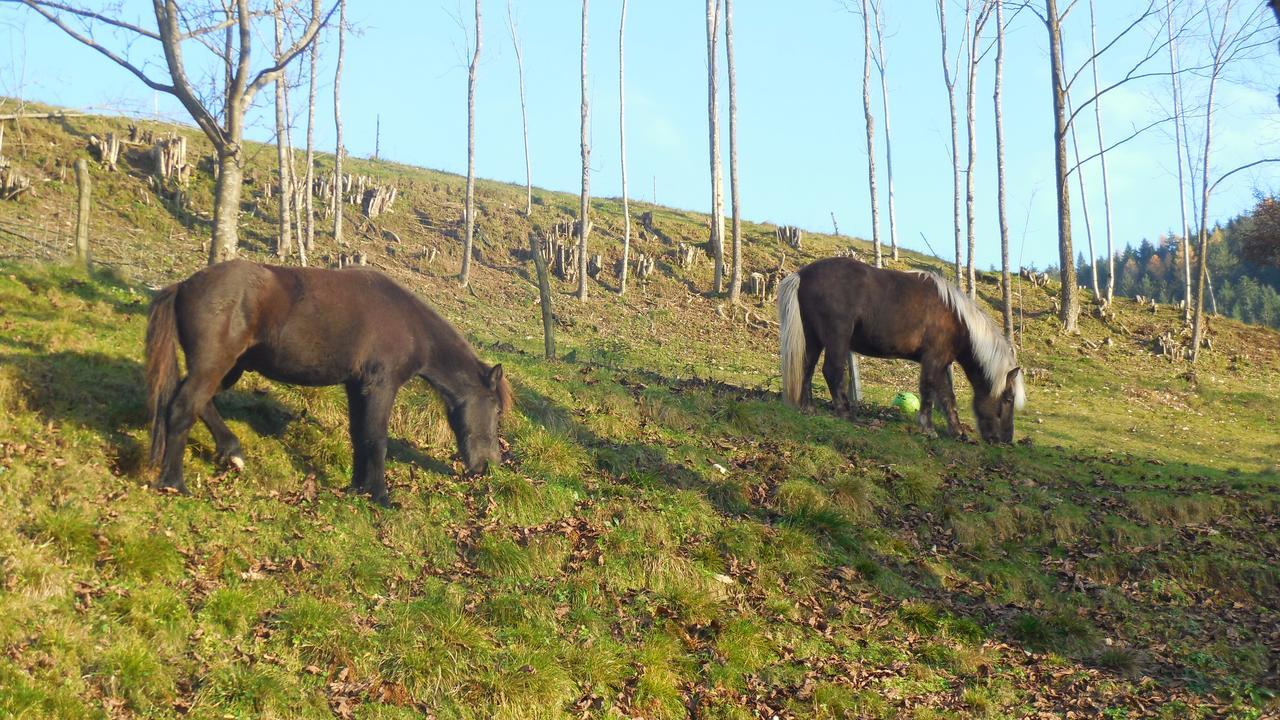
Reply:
x=1117, y=144
x=90, y=15
x=90, y=42
x=1242, y=167
x=303, y=42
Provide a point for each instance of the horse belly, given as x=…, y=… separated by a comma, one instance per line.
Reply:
x=294, y=368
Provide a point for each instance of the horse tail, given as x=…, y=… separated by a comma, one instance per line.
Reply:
x=790, y=339
x=161, y=366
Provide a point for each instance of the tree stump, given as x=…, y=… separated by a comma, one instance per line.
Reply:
x=12, y=182
x=790, y=235
x=107, y=149
x=377, y=200
x=170, y=157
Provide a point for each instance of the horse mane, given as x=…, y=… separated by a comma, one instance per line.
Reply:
x=989, y=346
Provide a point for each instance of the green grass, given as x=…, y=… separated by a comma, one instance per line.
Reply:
x=666, y=535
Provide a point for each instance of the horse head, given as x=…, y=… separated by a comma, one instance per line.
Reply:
x=994, y=411
x=475, y=420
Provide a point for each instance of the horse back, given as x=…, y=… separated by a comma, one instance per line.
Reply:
x=888, y=313
x=307, y=326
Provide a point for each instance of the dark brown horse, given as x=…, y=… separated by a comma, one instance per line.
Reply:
x=352, y=327
x=840, y=305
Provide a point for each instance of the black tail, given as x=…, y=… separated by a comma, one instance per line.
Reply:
x=162, y=367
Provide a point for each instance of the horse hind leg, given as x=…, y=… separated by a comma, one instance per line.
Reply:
x=812, y=349
x=834, y=370
x=228, y=452
x=924, y=419
x=194, y=393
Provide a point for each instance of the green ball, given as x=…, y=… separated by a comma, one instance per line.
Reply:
x=907, y=403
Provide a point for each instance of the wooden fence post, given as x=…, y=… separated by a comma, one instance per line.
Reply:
x=544, y=298
x=82, y=213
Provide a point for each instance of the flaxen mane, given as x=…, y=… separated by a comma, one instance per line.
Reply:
x=990, y=348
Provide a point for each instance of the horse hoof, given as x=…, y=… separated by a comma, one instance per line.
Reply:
x=236, y=462
x=353, y=489
x=384, y=500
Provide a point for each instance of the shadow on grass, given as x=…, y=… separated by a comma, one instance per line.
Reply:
x=1044, y=619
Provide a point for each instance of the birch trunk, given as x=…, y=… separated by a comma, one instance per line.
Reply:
x=1202, y=253
x=622, y=145
x=524, y=111
x=971, y=135
x=1084, y=208
x=735, y=281
x=284, y=220
x=1179, y=144
x=470, y=211
x=870, y=122
x=338, y=151
x=1006, y=290
x=950, y=82
x=1070, y=299
x=584, y=205
x=713, y=122
x=1102, y=159
x=309, y=179
x=878, y=13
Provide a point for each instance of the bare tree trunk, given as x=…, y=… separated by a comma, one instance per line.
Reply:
x=524, y=112
x=1102, y=158
x=622, y=144
x=870, y=122
x=284, y=230
x=470, y=210
x=338, y=151
x=226, y=199
x=1202, y=254
x=1179, y=144
x=1070, y=300
x=309, y=179
x=950, y=82
x=84, y=183
x=1084, y=208
x=1006, y=289
x=735, y=281
x=878, y=16
x=713, y=122
x=584, y=204
x=973, y=34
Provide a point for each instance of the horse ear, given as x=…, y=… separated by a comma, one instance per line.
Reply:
x=1011, y=380
x=494, y=377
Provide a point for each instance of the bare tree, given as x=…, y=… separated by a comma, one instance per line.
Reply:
x=524, y=111
x=222, y=123
x=1230, y=41
x=1069, y=308
x=713, y=122
x=971, y=133
x=309, y=178
x=948, y=78
x=1006, y=290
x=735, y=281
x=338, y=150
x=1179, y=143
x=470, y=212
x=870, y=123
x=584, y=206
x=284, y=228
x=1102, y=161
x=877, y=12
x=1084, y=209
x=622, y=145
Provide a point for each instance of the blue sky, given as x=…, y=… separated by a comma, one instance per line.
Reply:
x=802, y=145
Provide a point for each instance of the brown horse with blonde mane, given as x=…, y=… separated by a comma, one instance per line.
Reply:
x=307, y=326
x=840, y=305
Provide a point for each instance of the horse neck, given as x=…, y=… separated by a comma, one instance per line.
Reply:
x=973, y=370
x=449, y=364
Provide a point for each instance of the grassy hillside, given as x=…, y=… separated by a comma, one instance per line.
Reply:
x=666, y=540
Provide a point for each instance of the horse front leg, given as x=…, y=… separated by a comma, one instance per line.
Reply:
x=370, y=411
x=811, y=351
x=947, y=396
x=924, y=419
